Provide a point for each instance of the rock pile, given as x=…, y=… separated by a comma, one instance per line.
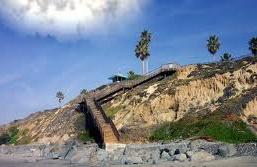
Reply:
x=181, y=151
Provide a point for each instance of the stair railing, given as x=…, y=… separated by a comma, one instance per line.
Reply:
x=107, y=119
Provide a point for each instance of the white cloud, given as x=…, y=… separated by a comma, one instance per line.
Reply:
x=65, y=19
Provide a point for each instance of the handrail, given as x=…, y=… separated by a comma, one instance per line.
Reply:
x=130, y=84
x=94, y=96
x=97, y=122
x=101, y=110
x=107, y=119
x=100, y=94
x=219, y=61
x=115, y=130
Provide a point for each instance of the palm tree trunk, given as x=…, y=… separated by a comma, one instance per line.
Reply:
x=143, y=67
x=146, y=66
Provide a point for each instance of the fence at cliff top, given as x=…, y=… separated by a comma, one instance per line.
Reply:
x=220, y=61
x=162, y=68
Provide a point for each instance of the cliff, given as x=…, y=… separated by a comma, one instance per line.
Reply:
x=227, y=89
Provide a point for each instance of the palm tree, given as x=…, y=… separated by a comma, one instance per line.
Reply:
x=213, y=45
x=60, y=96
x=226, y=57
x=142, y=50
x=131, y=73
x=253, y=45
x=83, y=92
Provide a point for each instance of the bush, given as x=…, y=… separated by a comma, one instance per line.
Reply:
x=4, y=138
x=84, y=136
x=10, y=137
x=132, y=75
x=111, y=111
x=83, y=92
x=226, y=57
x=14, y=135
x=212, y=126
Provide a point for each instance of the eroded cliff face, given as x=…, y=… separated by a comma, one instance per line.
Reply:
x=193, y=90
x=51, y=126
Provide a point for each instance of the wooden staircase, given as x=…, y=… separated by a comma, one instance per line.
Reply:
x=109, y=133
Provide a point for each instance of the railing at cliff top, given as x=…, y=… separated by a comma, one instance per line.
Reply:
x=220, y=61
x=131, y=83
x=164, y=67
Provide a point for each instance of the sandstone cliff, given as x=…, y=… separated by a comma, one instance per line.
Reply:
x=51, y=126
x=195, y=90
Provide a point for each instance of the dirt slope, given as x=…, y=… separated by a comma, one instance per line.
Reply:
x=196, y=89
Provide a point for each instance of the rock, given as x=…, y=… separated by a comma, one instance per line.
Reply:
x=169, y=147
x=210, y=147
x=227, y=150
x=189, y=154
x=102, y=155
x=248, y=149
x=114, y=147
x=166, y=156
x=83, y=154
x=32, y=150
x=117, y=157
x=66, y=148
x=182, y=148
x=180, y=157
x=145, y=152
x=175, y=147
x=151, y=161
x=134, y=160
x=55, y=155
x=202, y=156
x=4, y=150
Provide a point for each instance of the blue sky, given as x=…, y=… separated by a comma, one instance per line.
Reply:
x=36, y=62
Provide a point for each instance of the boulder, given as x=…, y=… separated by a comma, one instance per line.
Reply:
x=31, y=150
x=117, y=157
x=210, y=147
x=66, y=148
x=55, y=155
x=189, y=154
x=133, y=160
x=4, y=150
x=202, y=156
x=247, y=149
x=83, y=154
x=180, y=157
x=175, y=147
x=102, y=155
x=227, y=150
x=166, y=156
x=181, y=149
x=145, y=152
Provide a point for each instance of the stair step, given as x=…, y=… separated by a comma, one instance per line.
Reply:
x=106, y=128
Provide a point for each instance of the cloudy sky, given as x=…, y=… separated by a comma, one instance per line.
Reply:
x=68, y=45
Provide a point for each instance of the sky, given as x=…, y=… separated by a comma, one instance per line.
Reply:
x=70, y=45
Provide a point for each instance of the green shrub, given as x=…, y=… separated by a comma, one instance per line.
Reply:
x=132, y=75
x=84, y=136
x=110, y=112
x=13, y=135
x=10, y=136
x=4, y=138
x=211, y=126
